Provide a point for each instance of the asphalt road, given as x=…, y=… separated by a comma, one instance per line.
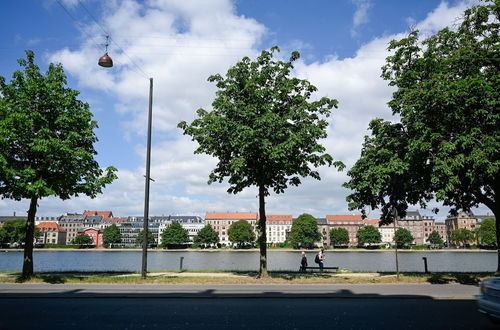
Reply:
x=65, y=306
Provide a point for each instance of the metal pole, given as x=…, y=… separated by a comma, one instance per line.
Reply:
x=395, y=241
x=146, y=189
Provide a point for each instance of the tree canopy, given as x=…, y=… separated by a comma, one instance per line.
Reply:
x=140, y=238
x=435, y=239
x=304, y=232
x=446, y=141
x=487, y=232
x=14, y=232
x=462, y=236
x=241, y=233
x=174, y=235
x=206, y=236
x=83, y=239
x=111, y=235
x=339, y=236
x=368, y=235
x=264, y=130
x=46, y=143
x=403, y=237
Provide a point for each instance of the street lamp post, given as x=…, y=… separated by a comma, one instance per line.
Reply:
x=146, y=188
x=106, y=62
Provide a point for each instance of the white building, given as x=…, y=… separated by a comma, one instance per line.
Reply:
x=220, y=222
x=192, y=224
x=278, y=227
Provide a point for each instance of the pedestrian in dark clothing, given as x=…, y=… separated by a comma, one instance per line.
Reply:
x=303, y=262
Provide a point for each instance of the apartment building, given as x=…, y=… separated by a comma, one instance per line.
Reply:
x=464, y=220
x=74, y=223
x=51, y=233
x=278, y=227
x=220, y=222
x=192, y=223
x=351, y=222
x=95, y=234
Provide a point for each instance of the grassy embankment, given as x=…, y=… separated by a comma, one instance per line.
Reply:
x=200, y=277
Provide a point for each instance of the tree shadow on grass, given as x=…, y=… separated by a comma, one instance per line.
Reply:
x=467, y=279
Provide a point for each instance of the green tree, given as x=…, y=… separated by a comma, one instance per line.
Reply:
x=447, y=143
x=4, y=239
x=264, y=130
x=339, y=236
x=241, y=233
x=14, y=232
x=435, y=239
x=304, y=232
x=46, y=143
x=368, y=235
x=140, y=238
x=403, y=237
x=174, y=234
x=487, y=232
x=462, y=236
x=207, y=236
x=83, y=239
x=111, y=235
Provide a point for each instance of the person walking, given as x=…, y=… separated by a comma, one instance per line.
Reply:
x=322, y=258
x=303, y=262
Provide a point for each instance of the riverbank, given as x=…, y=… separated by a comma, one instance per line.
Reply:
x=207, y=277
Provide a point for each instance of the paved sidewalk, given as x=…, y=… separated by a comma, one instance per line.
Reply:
x=348, y=291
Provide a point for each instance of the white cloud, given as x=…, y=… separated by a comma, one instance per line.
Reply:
x=360, y=14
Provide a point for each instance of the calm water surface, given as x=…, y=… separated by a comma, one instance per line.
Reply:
x=383, y=261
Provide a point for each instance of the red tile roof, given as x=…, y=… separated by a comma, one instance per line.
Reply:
x=373, y=222
x=343, y=217
x=50, y=226
x=288, y=217
x=231, y=216
x=104, y=214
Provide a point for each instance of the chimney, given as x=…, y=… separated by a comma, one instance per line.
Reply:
x=14, y=213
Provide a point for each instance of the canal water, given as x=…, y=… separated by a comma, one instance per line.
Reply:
x=370, y=261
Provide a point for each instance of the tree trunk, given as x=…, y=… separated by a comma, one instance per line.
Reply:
x=262, y=233
x=28, y=243
x=496, y=213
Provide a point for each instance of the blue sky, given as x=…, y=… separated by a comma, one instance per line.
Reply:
x=180, y=43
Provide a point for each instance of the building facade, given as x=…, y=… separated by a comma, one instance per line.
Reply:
x=220, y=222
x=278, y=227
x=347, y=221
x=51, y=233
x=95, y=234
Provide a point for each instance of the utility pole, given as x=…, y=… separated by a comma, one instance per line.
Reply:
x=395, y=222
x=146, y=188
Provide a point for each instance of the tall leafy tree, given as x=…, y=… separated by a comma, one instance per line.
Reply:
x=462, y=236
x=487, y=232
x=207, y=236
x=174, y=234
x=46, y=143
x=447, y=143
x=368, y=235
x=435, y=239
x=241, y=233
x=111, y=235
x=403, y=237
x=83, y=239
x=264, y=130
x=339, y=236
x=14, y=232
x=140, y=238
x=304, y=232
